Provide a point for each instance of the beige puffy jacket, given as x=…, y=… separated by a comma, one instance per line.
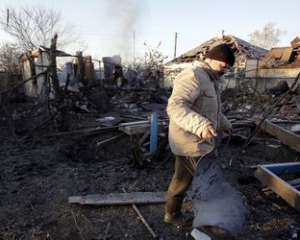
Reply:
x=194, y=104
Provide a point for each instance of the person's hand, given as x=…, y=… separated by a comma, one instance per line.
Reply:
x=208, y=133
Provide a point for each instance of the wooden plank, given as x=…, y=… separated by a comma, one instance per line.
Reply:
x=286, y=137
x=109, y=140
x=139, y=127
x=135, y=129
x=119, y=198
x=279, y=186
x=154, y=235
x=134, y=123
x=83, y=132
x=295, y=183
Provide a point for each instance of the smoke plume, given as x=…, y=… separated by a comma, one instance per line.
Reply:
x=124, y=15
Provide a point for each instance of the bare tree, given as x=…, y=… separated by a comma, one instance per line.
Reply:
x=9, y=58
x=268, y=37
x=150, y=68
x=35, y=26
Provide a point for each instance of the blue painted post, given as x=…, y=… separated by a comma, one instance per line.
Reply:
x=153, y=133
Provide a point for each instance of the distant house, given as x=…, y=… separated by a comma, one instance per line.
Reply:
x=281, y=63
x=244, y=52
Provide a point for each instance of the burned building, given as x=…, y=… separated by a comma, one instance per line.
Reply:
x=279, y=64
x=33, y=63
x=77, y=70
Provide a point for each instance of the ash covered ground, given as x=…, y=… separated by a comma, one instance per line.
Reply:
x=38, y=176
x=39, y=172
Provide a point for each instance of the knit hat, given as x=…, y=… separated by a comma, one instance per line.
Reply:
x=222, y=53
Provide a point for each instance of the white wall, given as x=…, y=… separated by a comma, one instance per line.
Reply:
x=40, y=87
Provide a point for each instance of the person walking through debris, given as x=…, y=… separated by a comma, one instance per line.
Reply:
x=194, y=110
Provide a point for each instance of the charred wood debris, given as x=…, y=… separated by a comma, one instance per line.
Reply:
x=111, y=107
x=93, y=110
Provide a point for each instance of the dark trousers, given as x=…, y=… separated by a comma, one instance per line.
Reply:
x=185, y=169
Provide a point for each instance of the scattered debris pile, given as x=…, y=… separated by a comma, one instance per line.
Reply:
x=143, y=73
x=242, y=48
x=284, y=57
x=249, y=102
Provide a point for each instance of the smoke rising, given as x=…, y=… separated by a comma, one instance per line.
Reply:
x=124, y=16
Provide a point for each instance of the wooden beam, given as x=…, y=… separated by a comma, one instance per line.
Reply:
x=109, y=140
x=278, y=185
x=285, y=136
x=144, y=221
x=119, y=198
x=134, y=130
x=83, y=132
x=139, y=127
x=53, y=68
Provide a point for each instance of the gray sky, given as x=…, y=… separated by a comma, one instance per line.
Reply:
x=106, y=26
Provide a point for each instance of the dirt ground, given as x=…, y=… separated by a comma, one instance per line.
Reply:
x=37, y=176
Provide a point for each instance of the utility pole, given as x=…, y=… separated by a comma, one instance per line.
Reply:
x=133, y=47
x=175, y=47
x=7, y=17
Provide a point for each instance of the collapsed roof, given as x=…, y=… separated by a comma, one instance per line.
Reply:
x=241, y=48
x=283, y=57
x=37, y=52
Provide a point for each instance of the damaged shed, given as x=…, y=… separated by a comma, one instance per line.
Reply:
x=78, y=70
x=35, y=64
x=244, y=52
